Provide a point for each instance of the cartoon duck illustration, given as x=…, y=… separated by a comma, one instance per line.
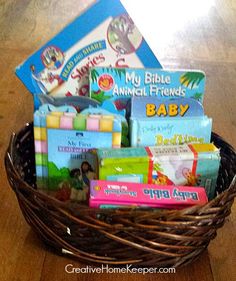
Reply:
x=162, y=179
x=158, y=177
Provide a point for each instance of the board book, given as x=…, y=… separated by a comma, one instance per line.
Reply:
x=123, y=83
x=187, y=164
x=108, y=194
x=63, y=141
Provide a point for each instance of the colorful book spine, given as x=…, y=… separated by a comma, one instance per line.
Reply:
x=105, y=194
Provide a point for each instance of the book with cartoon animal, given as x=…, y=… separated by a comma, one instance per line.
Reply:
x=187, y=164
x=120, y=84
x=104, y=35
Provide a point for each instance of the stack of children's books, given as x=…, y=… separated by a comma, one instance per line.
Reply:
x=106, y=110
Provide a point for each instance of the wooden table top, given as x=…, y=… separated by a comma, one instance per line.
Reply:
x=183, y=35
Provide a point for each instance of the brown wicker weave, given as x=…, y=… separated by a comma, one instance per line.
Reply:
x=142, y=237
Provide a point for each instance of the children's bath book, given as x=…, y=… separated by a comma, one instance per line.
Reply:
x=104, y=35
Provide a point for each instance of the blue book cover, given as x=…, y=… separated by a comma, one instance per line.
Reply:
x=104, y=35
x=149, y=132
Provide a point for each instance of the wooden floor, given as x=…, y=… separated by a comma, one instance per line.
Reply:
x=183, y=34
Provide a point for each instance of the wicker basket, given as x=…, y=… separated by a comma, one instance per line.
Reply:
x=142, y=237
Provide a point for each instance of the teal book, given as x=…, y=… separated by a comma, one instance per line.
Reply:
x=170, y=131
x=118, y=85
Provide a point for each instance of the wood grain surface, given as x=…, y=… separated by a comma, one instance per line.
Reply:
x=182, y=35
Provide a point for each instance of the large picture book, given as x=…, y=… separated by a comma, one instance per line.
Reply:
x=104, y=35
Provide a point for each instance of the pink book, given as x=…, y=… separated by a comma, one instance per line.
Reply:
x=120, y=194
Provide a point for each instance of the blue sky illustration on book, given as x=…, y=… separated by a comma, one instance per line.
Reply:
x=106, y=83
x=118, y=85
